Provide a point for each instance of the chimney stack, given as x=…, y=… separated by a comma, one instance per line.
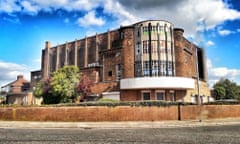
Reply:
x=47, y=44
x=19, y=77
x=179, y=31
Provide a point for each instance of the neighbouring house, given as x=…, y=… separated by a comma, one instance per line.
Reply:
x=148, y=60
x=18, y=92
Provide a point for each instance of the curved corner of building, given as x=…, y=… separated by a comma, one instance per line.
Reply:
x=157, y=82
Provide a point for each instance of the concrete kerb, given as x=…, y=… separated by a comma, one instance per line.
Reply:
x=117, y=125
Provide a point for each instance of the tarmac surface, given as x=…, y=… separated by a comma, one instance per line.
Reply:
x=220, y=131
x=117, y=125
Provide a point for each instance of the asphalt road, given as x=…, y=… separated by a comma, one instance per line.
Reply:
x=185, y=135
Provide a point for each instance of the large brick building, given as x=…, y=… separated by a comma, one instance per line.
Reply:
x=149, y=60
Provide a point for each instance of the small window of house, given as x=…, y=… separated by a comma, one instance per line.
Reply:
x=146, y=95
x=109, y=73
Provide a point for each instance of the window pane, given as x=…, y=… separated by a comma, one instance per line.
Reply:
x=160, y=95
x=172, y=95
x=146, y=96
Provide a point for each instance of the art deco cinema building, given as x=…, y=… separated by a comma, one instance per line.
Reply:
x=149, y=60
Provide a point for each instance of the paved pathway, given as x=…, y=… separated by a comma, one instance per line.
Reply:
x=110, y=125
x=220, y=134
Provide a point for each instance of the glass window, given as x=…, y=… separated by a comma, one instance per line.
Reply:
x=145, y=30
x=172, y=96
x=109, y=73
x=138, y=47
x=160, y=95
x=122, y=35
x=146, y=68
x=146, y=95
x=139, y=32
x=119, y=71
x=154, y=46
x=145, y=46
x=138, y=69
x=155, y=68
x=170, y=69
x=163, y=68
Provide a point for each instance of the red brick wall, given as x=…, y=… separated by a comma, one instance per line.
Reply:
x=98, y=88
x=128, y=54
x=210, y=112
x=129, y=95
x=185, y=61
x=180, y=94
x=120, y=113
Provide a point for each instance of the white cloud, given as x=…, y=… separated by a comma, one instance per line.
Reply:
x=225, y=32
x=216, y=73
x=123, y=16
x=9, y=72
x=34, y=6
x=90, y=19
x=210, y=43
x=30, y=8
x=9, y=6
x=215, y=12
x=185, y=13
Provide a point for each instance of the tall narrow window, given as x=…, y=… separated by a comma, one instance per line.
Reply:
x=146, y=68
x=145, y=46
x=139, y=32
x=138, y=47
x=172, y=96
x=119, y=71
x=122, y=35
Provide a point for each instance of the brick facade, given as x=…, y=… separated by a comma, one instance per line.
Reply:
x=18, y=92
x=126, y=53
x=119, y=113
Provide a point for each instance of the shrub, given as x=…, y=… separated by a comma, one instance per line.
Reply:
x=113, y=103
x=103, y=100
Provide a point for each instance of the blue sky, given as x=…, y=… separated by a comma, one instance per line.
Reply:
x=25, y=25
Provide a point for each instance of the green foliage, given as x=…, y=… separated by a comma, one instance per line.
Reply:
x=225, y=89
x=126, y=103
x=219, y=92
x=64, y=83
x=43, y=90
x=236, y=102
x=238, y=92
x=105, y=100
x=38, y=91
x=62, y=87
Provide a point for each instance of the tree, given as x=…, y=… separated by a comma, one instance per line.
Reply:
x=43, y=89
x=238, y=92
x=61, y=87
x=85, y=85
x=231, y=89
x=219, y=92
x=64, y=83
